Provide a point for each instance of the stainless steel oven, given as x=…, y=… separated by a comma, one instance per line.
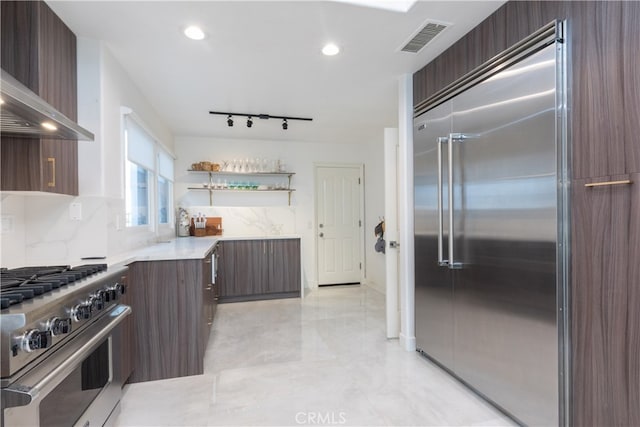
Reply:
x=73, y=377
x=75, y=386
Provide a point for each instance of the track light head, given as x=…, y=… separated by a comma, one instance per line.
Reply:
x=285, y=119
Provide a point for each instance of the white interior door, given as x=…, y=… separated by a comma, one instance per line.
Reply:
x=338, y=222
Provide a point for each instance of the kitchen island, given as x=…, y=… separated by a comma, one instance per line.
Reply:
x=174, y=290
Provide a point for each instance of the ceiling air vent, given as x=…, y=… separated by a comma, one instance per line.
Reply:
x=424, y=36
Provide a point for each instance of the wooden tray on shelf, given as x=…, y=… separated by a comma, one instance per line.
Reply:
x=213, y=227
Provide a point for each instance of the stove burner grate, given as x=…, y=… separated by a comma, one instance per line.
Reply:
x=20, y=284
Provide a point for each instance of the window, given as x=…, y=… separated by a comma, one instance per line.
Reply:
x=165, y=187
x=137, y=199
x=148, y=178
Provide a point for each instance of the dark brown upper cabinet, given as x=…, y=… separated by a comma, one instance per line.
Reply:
x=597, y=125
x=39, y=50
x=631, y=84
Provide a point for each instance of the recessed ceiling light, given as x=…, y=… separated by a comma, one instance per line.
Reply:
x=194, y=32
x=49, y=126
x=330, y=49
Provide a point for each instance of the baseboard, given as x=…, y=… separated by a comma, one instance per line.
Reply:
x=373, y=285
x=408, y=343
x=260, y=297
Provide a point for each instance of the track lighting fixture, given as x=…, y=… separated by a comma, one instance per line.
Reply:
x=285, y=119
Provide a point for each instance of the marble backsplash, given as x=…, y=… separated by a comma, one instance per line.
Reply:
x=38, y=229
x=251, y=221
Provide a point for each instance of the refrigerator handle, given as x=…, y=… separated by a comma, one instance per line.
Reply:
x=452, y=263
x=441, y=261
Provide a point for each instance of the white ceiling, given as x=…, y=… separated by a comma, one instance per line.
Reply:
x=264, y=57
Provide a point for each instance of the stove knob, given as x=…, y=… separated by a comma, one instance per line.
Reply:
x=116, y=290
x=97, y=301
x=81, y=312
x=34, y=339
x=59, y=326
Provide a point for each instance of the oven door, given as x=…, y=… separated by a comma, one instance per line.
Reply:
x=75, y=386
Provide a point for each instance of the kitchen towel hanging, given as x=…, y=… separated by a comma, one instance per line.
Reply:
x=379, y=232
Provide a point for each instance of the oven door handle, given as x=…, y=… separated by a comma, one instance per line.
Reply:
x=27, y=388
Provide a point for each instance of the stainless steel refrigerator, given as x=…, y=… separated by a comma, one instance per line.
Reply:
x=490, y=203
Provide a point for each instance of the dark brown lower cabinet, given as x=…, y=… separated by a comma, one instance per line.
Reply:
x=284, y=266
x=259, y=269
x=209, y=299
x=605, y=302
x=125, y=336
x=251, y=266
x=173, y=307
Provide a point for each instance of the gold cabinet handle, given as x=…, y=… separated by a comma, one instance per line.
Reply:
x=52, y=162
x=600, y=184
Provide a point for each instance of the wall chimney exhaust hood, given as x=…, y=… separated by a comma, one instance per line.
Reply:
x=25, y=114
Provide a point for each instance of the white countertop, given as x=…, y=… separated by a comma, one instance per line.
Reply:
x=270, y=237
x=180, y=248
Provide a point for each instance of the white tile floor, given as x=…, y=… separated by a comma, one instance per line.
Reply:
x=320, y=361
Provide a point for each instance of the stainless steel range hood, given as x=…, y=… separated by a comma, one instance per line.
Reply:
x=25, y=114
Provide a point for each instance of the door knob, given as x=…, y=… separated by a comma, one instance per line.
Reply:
x=321, y=234
x=320, y=225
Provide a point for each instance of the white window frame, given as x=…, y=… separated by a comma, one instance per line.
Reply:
x=154, y=174
x=169, y=175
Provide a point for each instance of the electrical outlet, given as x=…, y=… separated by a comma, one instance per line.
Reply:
x=7, y=224
x=75, y=211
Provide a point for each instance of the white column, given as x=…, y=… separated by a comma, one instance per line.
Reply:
x=391, y=230
x=405, y=212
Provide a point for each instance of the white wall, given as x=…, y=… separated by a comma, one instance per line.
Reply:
x=42, y=231
x=405, y=213
x=299, y=158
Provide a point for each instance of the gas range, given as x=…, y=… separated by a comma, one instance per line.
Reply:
x=44, y=306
